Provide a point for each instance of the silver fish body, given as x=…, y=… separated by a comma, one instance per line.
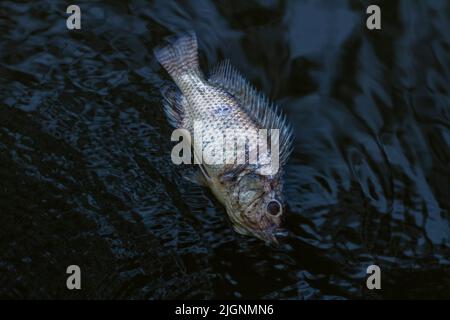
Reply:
x=216, y=109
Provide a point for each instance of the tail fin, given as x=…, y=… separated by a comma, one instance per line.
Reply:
x=180, y=56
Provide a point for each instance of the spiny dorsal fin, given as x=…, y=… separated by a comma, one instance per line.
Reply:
x=256, y=104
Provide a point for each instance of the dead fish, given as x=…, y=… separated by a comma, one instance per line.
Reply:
x=225, y=102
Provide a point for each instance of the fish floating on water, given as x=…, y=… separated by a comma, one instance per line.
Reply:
x=226, y=103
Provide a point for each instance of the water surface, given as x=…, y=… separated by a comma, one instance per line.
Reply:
x=86, y=176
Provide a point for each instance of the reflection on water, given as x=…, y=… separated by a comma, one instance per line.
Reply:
x=85, y=151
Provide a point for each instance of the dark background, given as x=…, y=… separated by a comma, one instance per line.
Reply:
x=86, y=176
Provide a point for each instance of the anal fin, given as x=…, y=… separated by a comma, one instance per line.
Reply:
x=174, y=105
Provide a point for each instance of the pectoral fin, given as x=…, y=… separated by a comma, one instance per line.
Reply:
x=196, y=177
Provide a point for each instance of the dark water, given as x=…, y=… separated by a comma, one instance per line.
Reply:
x=85, y=169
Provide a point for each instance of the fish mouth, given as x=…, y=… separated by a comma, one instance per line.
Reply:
x=271, y=235
x=270, y=239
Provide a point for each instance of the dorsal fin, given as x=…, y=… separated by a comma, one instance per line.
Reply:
x=256, y=104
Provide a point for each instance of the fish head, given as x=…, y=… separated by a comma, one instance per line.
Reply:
x=255, y=206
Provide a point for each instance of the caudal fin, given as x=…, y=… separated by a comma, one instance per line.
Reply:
x=180, y=56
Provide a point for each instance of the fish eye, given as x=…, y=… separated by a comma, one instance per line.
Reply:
x=274, y=208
